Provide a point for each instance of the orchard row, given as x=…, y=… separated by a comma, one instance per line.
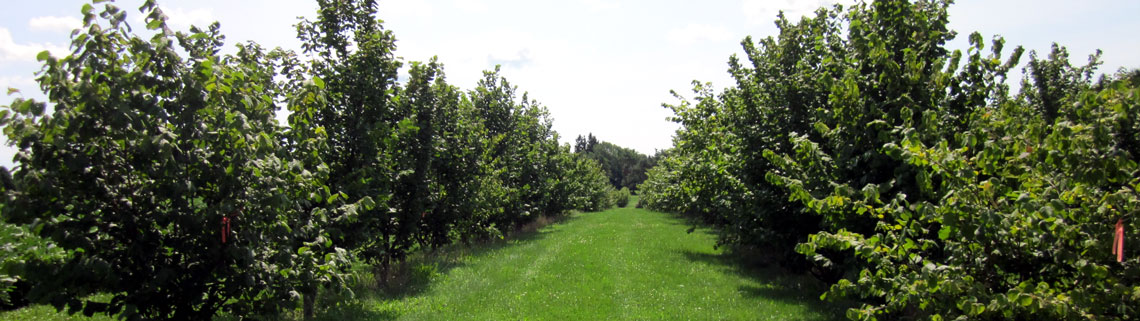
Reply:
x=856, y=146
x=157, y=172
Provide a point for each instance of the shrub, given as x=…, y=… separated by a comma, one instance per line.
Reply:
x=621, y=197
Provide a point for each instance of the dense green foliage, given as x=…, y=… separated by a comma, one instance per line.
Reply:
x=908, y=174
x=621, y=197
x=588, y=189
x=23, y=251
x=625, y=167
x=144, y=158
x=159, y=176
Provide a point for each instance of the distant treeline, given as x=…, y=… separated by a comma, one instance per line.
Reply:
x=625, y=167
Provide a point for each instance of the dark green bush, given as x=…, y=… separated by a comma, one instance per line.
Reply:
x=621, y=197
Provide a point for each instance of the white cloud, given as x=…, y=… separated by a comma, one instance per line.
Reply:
x=764, y=11
x=404, y=8
x=182, y=18
x=178, y=18
x=600, y=5
x=10, y=51
x=7, y=153
x=696, y=33
x=472, y=6
x=510, y=48
x=26, y=84
x=59, y=24
x=466, y=57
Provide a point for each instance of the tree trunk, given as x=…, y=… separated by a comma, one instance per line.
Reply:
x=385, y=271
x=307, y=302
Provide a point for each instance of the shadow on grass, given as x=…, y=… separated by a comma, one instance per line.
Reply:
x=778, y=285
x=354, y=310
x=693, y=223
x=414, y=276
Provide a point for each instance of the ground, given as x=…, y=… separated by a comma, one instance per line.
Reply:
x=620, y=264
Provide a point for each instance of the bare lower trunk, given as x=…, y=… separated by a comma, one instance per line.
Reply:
x=308, y=301
x=385, y=271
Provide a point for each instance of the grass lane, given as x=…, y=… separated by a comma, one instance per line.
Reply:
x=621, y=264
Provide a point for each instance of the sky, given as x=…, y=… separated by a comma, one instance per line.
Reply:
x=599, y=66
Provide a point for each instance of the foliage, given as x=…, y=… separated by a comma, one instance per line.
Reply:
x=621, y=197
x=360, y=126
x=457, y=209
x=23, y=250
x=624, y=167
x=909, y=176
x=523, y=152
x=587, y=185
x=157, y=173
x=160, y=177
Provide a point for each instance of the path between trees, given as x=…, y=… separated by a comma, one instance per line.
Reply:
x=620, y=264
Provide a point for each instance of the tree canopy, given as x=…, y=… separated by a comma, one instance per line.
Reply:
x=625, y=167
x=910, y=176
x=157, y=173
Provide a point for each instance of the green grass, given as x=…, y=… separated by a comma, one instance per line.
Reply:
x=46, y=313
x=621, y=264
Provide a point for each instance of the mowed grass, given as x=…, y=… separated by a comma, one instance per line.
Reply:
x=620, y=264
x=47, y=313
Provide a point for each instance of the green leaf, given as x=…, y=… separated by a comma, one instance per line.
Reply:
x=43, y=56
x=1024, y=299
x=944, y=232
x=977, y=309
x=367, y=202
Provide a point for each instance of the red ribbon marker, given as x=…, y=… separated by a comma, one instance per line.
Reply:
x=1118, y=241
x=225, y=228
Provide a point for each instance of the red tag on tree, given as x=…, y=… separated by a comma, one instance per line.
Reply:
x=1118, y=241
x=225, y=228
